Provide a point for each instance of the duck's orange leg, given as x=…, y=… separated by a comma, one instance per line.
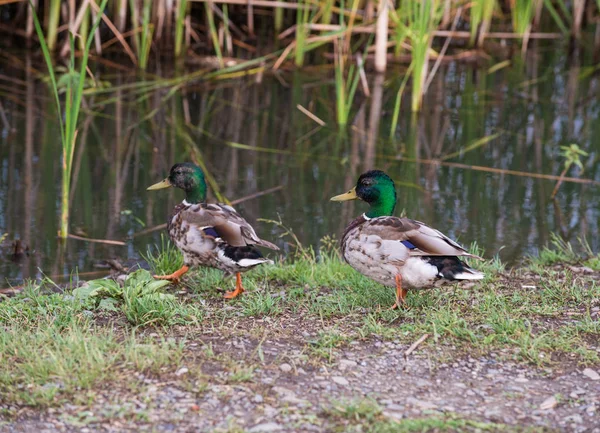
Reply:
x=400, y=293
x=175, y=276
x=238, y=287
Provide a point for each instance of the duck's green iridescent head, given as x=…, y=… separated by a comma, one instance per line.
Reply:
x=187, y=176
x=377, y=189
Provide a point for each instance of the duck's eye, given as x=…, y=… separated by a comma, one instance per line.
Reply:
x=367, y=182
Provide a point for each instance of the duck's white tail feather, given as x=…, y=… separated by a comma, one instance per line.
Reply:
x=253, y=262
x=469, y=274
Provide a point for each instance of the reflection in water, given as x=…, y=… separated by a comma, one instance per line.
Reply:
x=251, y=137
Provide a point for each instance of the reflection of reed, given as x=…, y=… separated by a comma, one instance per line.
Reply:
x=28, y=174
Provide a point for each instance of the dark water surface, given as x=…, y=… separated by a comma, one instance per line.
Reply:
x=252, y=137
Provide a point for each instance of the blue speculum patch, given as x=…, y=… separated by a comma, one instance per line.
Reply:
x=210, y=231
x=408, y=245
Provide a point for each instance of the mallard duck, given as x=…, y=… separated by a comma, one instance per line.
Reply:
x=396, y=251
x=212, y=235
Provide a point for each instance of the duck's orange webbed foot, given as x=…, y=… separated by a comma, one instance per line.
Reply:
x=400, y=294
x=238, y=288
x=175, y=276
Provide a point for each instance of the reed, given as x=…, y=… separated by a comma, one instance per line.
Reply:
x=301, y=32
x=422, y=19
x=572, y=155
x=481, y=18
x=146, y=39
x=398, y=102
x=153, y=23
x=346, y=84
x=180, y=23
x=84, y=28
x=135, y=20
x=53, y=21
x=213, y=33
x=521, y=16
x=72, y=106
x=327, y=11
x=556, y=16
x=278, y=24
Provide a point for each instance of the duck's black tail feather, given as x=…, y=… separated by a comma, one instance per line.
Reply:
x=452, y=268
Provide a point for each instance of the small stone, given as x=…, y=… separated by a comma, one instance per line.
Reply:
x=549, y=403
x=340, y=380
x=575, y=418
x=423, y=405
x=265, y=427
x=181, y=371
x=285, y=367
x=346, y=363
x=521, y=379
x=258, y=398
x=280, y=390
x=591, y=374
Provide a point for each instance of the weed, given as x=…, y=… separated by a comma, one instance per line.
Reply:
x=260, y=304
x=355, y=410
x=165, y=258
x=139, y=299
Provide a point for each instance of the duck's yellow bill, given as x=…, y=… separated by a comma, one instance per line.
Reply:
x=350, y=195
x=160, y=185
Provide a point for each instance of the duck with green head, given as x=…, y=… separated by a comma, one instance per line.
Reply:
x=398, y=252
x=212, y=235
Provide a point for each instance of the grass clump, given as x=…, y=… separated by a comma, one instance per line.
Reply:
x=139, y=299
x=326, y=342
x=355, y=410
x=165, y=258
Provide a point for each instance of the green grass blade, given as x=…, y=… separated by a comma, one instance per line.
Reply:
x=213, y=33
x=49, y=64
x=179, y=24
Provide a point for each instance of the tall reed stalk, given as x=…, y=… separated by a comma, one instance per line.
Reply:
x=327, y=11
x=180, y=24
x=521, y=14
x=481, y=18
x=84, y=29
x=213, y=32
x=423, y=18
x=72, y=107
x=53, y=21
x=302, y=14
x=345, y=84
x=279, y=19
x=146, y=39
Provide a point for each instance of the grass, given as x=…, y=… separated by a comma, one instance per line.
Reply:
x=58, y=347
x=366, y=415
x=51, y=351
x=498, y=313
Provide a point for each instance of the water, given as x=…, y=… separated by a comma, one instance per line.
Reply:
x=252, y=137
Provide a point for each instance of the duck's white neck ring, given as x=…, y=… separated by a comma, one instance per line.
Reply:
x=364, y=215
